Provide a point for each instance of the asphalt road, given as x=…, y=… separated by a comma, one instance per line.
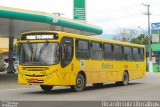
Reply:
x=147, y=88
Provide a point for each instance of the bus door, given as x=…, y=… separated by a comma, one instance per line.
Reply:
x=67, y=51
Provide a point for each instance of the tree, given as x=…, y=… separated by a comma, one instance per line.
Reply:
x=141, y=39
x=125, y=34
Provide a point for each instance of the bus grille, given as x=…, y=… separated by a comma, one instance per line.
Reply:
x=35, y=68
x=35, y=75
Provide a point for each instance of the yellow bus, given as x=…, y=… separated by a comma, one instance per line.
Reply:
x=53, y=58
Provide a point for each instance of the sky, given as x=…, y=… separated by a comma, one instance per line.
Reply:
x=111, y=15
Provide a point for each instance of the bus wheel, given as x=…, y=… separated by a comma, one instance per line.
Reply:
x=46, y=88
x=125, y=80
x=98, y=84
x=80, y=83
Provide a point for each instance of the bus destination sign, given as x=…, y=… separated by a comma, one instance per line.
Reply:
x=39, y=37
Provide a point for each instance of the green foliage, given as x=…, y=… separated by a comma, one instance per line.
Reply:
x=141, y=39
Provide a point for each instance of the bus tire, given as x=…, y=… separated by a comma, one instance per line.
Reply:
x=118, y=83
x=98, y=84
x=46, y=88
x=80, y=83
x=125, y=79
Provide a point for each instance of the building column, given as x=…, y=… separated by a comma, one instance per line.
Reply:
x=11, y=68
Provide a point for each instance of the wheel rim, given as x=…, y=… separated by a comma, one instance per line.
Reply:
x=79, y=82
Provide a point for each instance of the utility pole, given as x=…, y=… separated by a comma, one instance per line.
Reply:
x=149, y=38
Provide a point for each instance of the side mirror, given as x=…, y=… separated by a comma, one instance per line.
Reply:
x=64, y=51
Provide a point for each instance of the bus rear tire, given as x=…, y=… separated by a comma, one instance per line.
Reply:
x=46, y=88
x=80, y=83
x=125, y=80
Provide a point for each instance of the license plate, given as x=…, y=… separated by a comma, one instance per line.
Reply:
x=34, y=80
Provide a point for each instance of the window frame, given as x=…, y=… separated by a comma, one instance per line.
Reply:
x=128, y=55
x=122, y=53
x=108, y=52
x=96, y=50
x=76, y=48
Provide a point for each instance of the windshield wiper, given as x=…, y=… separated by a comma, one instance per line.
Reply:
x=31, y=50
x=43, y=48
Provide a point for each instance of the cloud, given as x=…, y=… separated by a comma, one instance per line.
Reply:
x=109, y=14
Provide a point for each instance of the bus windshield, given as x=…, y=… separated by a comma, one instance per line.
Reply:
x=39, y=53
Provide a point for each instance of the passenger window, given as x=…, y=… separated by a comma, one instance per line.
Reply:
x=136, y=55
x=128, y=53
x=82, y=49
x=118, y=51
x=96, y=51
x=135, y=50
x=108, y=51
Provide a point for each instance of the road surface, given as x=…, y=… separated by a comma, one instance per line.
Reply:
x=147, y=88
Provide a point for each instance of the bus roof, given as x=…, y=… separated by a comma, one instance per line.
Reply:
x=90, y=38
x=101, y=39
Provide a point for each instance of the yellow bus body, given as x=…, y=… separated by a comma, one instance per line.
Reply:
x=96, y=71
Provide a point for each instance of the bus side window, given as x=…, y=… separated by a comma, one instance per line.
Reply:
x=66, y=51
x=128, y=53
x=96, y=51
x=136, y=56
x=82, y=49
x=108, y=51
x=118, y=51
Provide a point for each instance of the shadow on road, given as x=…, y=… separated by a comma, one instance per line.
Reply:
x=88, y=88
